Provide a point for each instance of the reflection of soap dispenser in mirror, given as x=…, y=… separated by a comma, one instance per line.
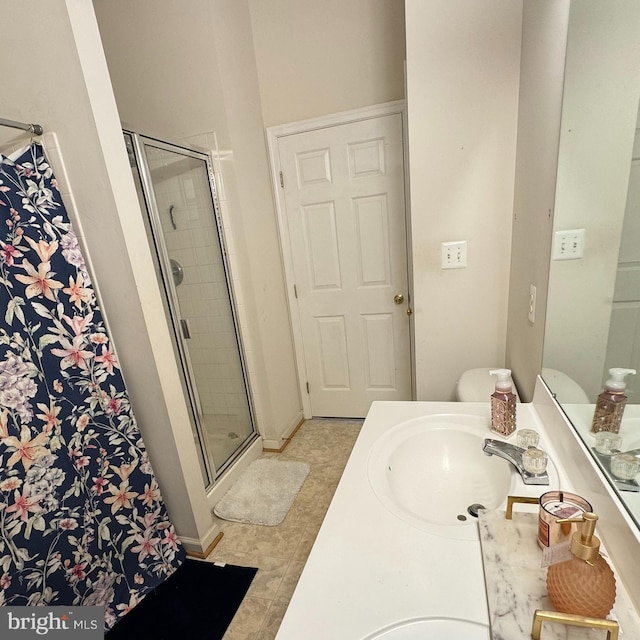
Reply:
x=585, y=584
x=503, y=404
x=611, y=402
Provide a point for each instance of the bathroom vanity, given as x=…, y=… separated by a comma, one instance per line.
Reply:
x=397, y=557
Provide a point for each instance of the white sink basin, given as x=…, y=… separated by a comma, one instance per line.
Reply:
x=431, y=472
x=436, y=628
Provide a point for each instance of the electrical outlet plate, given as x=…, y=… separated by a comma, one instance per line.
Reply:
x=568, y=245
x=454, y=255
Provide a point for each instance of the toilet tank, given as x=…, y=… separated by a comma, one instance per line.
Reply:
x=564, y=388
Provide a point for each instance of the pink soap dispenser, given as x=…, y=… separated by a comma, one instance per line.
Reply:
x=585, y=585
x=611, y=402
x=503, y=404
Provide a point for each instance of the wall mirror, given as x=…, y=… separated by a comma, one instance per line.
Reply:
x=593, y=311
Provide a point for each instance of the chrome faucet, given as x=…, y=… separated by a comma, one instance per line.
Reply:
x=513, y=454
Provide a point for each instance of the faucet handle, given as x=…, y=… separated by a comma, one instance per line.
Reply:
x=534, y=461
x=527, y=438
x=625, y=466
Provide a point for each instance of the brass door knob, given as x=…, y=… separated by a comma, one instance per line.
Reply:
x=398, y=298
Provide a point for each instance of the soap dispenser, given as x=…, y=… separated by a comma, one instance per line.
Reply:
x=503, y=404
x=611, y=402
x=585, y=584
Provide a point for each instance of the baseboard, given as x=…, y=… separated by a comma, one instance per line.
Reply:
x=203, y=555
x=200, y=548
x=278, y=446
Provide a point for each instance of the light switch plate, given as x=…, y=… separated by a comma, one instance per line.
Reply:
x=454, y=255
x=569, y=244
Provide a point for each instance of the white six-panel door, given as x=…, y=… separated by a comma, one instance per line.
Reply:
x=343, y=190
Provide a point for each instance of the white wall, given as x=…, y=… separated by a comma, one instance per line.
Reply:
x=163, y=65
x=78, y=105
x=597, y=131
x=317, y=58
x=544, y=38
x=278, y=395
x=463, y=59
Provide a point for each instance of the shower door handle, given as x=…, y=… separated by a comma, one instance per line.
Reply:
x=184, y=327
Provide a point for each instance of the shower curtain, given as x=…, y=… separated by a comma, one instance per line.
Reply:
x=82, y=521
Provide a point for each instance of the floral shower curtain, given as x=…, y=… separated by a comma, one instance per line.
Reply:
x=82, y=521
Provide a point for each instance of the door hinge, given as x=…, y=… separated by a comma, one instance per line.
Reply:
x=281, y=180
x=307, y=387
x=295, y=291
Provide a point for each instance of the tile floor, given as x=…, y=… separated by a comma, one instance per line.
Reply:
x=281, y=552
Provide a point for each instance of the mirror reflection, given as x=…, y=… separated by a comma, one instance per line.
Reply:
x=593, y=312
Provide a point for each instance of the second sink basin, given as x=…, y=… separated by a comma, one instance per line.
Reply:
x=440, y=628
x=431, y=471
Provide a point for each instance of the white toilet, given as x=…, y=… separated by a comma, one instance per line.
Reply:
x=477, y=385
x=564, y=388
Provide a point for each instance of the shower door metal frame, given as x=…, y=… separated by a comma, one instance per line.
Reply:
x=173, y=305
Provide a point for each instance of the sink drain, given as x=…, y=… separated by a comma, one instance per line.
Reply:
x=473, y=509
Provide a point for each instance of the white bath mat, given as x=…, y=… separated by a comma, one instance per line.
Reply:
x=264, y=493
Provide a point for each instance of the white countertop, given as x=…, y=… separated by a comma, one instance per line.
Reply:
x=369, y=568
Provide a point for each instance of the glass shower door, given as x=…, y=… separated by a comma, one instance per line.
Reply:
x=184, y=229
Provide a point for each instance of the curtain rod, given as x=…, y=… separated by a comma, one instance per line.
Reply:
x=32, y=128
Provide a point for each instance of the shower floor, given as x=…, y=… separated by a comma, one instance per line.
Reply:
x=225, y=434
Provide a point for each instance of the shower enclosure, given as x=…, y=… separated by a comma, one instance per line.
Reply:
x=177, y=191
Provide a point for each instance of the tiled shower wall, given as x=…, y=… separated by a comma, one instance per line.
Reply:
x=203, y=294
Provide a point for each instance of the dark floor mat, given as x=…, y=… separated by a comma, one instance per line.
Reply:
x=198, y=602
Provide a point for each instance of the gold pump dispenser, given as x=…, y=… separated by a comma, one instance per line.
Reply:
x=585, y=584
